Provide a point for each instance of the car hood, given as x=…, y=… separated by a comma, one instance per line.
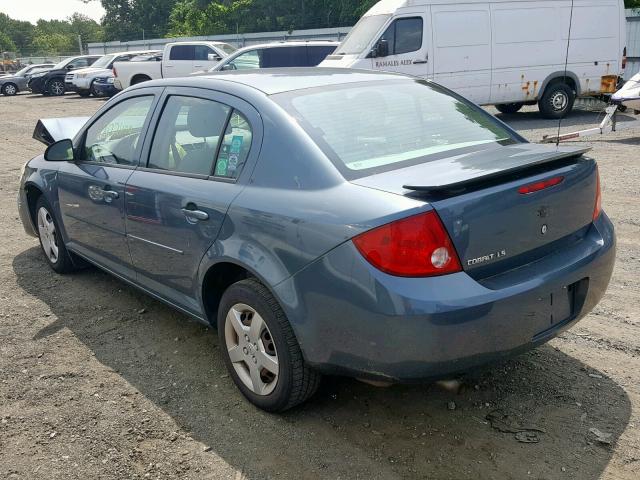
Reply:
x=51, y=130
x=91, y=70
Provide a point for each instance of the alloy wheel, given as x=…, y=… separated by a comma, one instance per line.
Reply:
x=48, y=236
x=57, y=88
x=9, y=89
x=251, y=349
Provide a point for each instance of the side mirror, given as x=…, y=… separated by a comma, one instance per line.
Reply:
x=60, y=151
x=212, y=57
x=70, y=67
x=229, y=66
x=382, y=49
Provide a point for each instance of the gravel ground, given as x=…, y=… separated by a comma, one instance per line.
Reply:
x=100, y=381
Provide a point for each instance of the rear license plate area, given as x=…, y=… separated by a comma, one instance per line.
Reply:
x=559, y=307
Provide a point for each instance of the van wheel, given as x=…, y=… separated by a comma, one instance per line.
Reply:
x=58, y=258
x=557, y=101
x=260, y=349
x=509, y=107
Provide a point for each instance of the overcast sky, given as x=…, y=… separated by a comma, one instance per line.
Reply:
x=33, y=10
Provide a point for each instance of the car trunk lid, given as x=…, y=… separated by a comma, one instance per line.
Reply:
x=494, y=223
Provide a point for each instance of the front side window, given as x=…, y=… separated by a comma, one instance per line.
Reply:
x=246, y=61
x=79, y=63
x=200, y=137
x=182, y=52
x=201, y=52
x=404, y=35
x=113, y=138
x=393, y=124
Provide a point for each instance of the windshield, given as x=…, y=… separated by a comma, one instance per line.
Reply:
x=361, y=35
x=103, y=61
x=226, y=48
x=23, y=71
x=377, y=126
x=62, y=64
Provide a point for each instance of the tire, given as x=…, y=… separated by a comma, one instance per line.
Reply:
x=508, y=108
x=55, y=252
x=293, y=382
x=92, y=90
x=56, y=87
x=84, y=93
x=557, y=101
x=9, y=89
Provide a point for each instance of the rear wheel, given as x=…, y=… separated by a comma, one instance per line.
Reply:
x=557, y=101
x=509, y=107
x=260, y=349
x=139, y=79
x=51, y=242
x=56, y=87
x=9, y=89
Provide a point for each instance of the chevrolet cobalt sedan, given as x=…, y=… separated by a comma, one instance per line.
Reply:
x=327, y=221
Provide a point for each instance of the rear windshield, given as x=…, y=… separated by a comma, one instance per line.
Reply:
x=365, y=128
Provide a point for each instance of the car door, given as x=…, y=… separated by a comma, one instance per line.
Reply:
x=91, y=189
x=180, y=61
x=201, y=58
x=407, y=40
x=203, y=143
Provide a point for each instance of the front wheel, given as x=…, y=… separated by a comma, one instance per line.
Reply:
x=9, y=89
x=557, y=101
x=56, y=87
x=260, y=349
x=51, y=242
x=509, y=107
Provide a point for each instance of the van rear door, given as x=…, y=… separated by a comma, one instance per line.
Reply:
x=408, y=41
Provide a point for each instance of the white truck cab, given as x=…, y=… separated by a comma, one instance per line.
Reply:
x=178, y=60
x=503, y=52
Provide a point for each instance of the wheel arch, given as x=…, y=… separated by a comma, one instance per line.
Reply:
x=568, y=78
x=139, y=78
x=10, y=83
x=32, y=192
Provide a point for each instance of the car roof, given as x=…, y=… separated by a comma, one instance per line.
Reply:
x=272, y=81
x=309, y=43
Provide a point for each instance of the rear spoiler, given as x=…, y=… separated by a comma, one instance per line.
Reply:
x=453, y=175
x=50, y=130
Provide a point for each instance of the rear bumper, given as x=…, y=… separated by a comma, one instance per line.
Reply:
x=352, y=319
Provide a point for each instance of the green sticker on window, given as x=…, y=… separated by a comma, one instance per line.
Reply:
x=236, y=143
x=221, y=167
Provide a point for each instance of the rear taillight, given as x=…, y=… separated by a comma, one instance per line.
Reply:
x=624, y=58
x=417, y=246
x=597, y=209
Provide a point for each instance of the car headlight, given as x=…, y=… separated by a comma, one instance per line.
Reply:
x=82, y=75
x=111, y=80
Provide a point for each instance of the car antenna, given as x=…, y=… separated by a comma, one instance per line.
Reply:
x=566, y=61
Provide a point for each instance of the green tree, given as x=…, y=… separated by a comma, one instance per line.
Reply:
x=6, y=44
x=53, y=44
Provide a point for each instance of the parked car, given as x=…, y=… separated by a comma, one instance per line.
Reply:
x=276, y=55
x=508, y=53
x=81, y=80
x=103, y=86
x=51, y=82
x=327, y=221
x=178, y=60
x=12, y=84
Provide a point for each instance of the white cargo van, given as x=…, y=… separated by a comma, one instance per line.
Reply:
x=503, y=52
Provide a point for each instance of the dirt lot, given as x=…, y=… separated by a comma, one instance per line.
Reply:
x=100, y=381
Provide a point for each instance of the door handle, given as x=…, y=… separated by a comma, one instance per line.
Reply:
x=197, y=65
x=416, y=62
x=110, y=195
x=195, y=215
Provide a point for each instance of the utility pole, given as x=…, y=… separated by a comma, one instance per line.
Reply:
x=80, y=43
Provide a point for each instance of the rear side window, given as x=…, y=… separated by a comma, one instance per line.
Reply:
x=316, y=54
x=284, y=57
x=200, y=137
x=182, y=52
x=113, y=138
x=247, y=61
x=404, y=35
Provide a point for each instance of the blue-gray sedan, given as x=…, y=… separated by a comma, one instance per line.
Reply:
x=328, y=221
